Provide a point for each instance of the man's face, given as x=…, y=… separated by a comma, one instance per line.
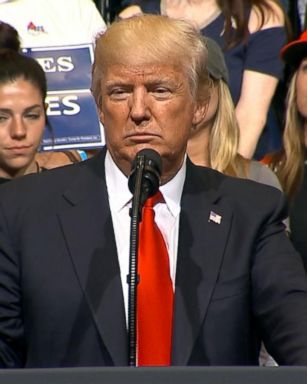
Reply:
x=301, y=88
x=148, y=106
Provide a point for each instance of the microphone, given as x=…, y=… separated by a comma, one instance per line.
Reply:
x=148, y=162
x=143, y=183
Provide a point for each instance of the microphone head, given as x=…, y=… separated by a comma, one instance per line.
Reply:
x=151, y=173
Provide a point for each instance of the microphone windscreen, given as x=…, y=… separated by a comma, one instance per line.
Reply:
x=152, y=170
x=152, y=157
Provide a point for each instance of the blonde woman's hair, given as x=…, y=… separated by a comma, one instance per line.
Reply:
x=224, y=136
x=289, y=164
x=152, y=39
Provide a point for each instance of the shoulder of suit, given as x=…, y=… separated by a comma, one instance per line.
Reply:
x=51, y=182
x=235, y=188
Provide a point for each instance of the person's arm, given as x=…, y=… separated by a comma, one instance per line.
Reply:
x=92, y=21
x=54, y=159
x=258, y=84
x=130, y=11
x=252, y=108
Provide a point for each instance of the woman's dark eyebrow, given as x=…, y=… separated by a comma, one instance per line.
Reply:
x=33, y=107
x=28, y=109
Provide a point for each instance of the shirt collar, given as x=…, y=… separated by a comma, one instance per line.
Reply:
x=117, y=184
x=120, y=195
x=172, y=190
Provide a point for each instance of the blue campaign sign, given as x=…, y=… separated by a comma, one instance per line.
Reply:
x=65, y=67
x=71, y=107
x=66, y=107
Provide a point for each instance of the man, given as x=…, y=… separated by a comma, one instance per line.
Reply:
x=64, y=234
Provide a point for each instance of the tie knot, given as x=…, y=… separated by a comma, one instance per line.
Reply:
x=153, y=200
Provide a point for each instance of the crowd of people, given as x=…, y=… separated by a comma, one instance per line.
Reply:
x=196, y=82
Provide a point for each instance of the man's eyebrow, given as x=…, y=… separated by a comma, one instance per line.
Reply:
x=5, y=110
x=119, y=82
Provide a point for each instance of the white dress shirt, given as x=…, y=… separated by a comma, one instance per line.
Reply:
x=166, y=216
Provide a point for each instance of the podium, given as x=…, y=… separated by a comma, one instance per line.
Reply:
x=170, y=375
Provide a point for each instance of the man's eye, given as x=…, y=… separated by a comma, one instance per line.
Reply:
x=118, y=93
x=161, y=92
x=3, y=118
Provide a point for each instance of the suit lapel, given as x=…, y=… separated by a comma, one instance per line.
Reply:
x=88, y=231
x=200, y=250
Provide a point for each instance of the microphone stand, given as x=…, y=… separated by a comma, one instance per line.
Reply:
x=132, y=278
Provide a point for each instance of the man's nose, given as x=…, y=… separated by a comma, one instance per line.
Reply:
x=139, y=105
x=18, y=129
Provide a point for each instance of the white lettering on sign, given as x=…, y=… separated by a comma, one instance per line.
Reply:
x=62, y=64
x=62, y=105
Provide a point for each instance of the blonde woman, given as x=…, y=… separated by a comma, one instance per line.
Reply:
x=214, y=142
x=290, y=163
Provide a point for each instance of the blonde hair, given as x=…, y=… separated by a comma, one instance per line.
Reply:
x=224, y=136
x=150, y=39
x=289, y=164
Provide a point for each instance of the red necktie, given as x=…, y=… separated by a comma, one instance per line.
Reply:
x=154, y=292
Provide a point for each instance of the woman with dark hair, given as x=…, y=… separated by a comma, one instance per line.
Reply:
x=9, y=37
x=23, y=89
x=251, y=33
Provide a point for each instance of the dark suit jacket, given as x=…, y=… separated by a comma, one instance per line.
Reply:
x=61, y=301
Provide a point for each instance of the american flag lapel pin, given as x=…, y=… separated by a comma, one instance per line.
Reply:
x=215, y=218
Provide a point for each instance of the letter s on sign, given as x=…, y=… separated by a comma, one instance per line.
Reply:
x=68, y=101
x=65, y=64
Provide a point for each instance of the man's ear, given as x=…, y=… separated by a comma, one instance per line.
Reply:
x=101, y=116
x=200, y=111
